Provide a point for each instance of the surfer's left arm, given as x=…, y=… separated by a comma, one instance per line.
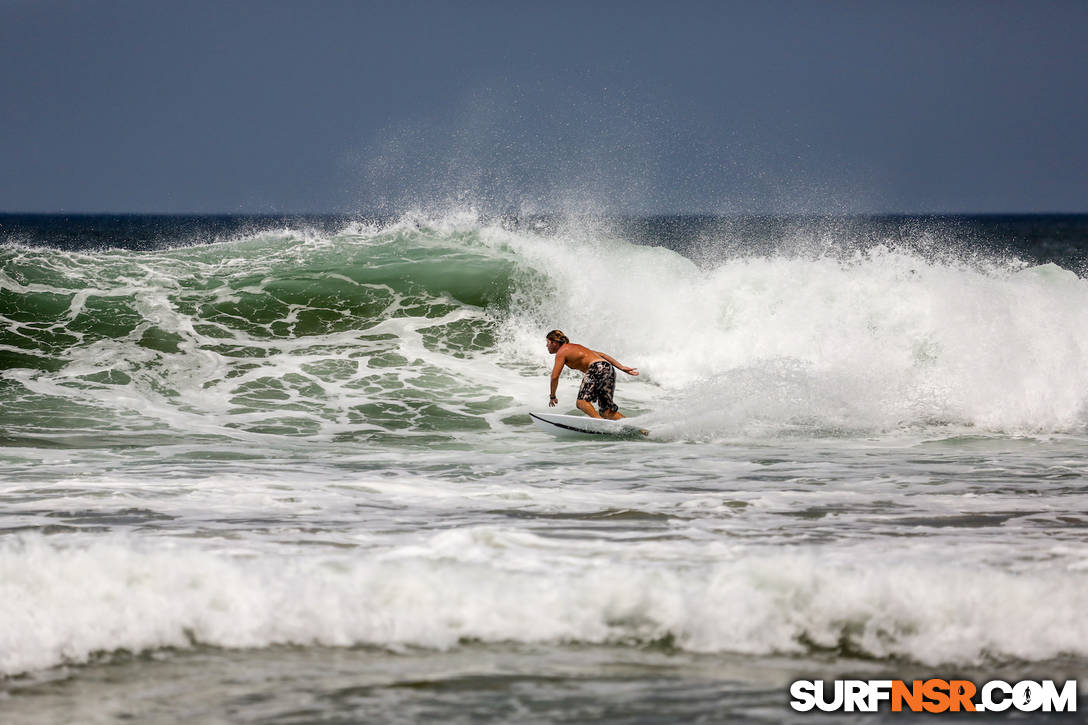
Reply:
x=616, y=364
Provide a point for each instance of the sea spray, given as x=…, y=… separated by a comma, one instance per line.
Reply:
x=884, y=338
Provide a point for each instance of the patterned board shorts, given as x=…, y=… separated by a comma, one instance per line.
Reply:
x=599, y=385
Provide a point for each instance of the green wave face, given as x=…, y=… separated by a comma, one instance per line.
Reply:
x=281, y=333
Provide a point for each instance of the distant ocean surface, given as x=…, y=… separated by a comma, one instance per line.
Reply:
x=281, y=469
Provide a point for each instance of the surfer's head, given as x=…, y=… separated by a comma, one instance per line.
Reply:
x=556, y=340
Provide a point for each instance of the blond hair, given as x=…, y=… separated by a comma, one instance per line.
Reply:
x=558, y=336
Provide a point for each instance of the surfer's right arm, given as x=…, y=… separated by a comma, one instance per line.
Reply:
x=560, y=361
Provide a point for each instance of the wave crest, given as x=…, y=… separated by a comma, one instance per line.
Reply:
x=65, y=605
x=426, y=315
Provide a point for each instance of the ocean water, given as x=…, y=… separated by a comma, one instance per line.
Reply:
x=258, y=470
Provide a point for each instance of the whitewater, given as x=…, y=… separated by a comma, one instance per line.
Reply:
x=303, y=451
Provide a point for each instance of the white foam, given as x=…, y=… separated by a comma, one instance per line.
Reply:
x=879, y=340
x=63, y=604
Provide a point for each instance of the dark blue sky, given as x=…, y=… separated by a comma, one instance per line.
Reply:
x=544, y=106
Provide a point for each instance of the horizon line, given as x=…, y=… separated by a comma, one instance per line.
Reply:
x=514, y=213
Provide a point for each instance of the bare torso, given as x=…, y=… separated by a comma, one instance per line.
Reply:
x=578, y=357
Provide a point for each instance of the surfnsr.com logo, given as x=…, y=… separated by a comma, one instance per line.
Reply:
x=933, y=695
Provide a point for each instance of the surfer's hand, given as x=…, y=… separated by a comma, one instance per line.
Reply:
x=552, y=400
x=630, y=371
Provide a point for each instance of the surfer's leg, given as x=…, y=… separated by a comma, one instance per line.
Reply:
x=587, y=393
x=587, y=407
x=606, y=388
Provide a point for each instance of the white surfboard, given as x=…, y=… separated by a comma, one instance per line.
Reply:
x=583, y=425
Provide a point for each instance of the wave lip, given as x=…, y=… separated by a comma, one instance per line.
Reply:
x=65, y=605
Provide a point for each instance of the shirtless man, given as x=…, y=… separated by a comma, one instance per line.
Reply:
x=599, y=382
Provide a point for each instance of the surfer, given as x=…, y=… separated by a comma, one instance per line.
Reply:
x=599, y=382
